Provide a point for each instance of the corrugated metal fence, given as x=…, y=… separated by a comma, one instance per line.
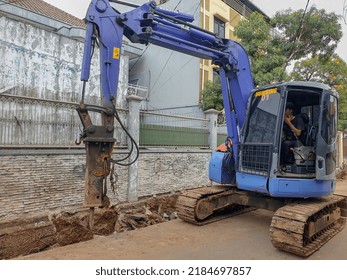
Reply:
x=28, y=121
x=31, y=121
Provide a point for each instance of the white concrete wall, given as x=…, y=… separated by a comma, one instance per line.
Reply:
x=339, y=155
x=34, y=184
x=44, y=64
x=38, y=62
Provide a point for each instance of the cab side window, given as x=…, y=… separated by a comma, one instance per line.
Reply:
x=329, y=119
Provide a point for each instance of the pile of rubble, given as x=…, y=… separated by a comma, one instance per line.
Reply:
x=145, y=213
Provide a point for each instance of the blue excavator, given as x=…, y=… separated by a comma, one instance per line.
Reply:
x=252, y=172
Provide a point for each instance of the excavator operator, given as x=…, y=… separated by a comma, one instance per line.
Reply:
x=292, y=133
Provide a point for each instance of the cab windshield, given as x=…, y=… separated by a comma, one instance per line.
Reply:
x=263, y=113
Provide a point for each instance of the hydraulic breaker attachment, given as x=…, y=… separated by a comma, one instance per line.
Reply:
x=99, y=142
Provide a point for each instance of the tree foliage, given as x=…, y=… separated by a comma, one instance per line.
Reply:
x=272, y=47
x=212, y=96
x=332, y=72
x=309, y=46
x=318, y=34
x=265, y=53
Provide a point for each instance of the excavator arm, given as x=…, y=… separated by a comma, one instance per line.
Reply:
x=148, y=24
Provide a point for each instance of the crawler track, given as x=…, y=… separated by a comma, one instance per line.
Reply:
x=300, y=227
x=289, y=226
x=187, y=206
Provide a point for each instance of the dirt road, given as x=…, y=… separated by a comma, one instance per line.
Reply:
x=241, y=237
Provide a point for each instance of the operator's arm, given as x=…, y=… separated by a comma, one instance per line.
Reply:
x=299, y=124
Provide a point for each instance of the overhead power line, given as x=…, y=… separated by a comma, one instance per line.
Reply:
x=295, y=39
x=344, y=12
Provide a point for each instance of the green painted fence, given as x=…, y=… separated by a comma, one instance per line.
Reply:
x=158, y=135
x=221, y=138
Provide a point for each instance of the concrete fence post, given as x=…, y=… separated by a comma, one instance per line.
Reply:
x=339, y=155
x=134, y=130
x=212, y=116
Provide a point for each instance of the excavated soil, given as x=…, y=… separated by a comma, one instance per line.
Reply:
x=29, y=235
x=25, y=236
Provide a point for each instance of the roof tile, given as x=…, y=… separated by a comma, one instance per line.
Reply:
x=48, y=10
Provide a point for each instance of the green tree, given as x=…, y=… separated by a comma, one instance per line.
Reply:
x=312, y=47
x=265, y=53
x=332, y=72
x=272, y=47
x=318, y=34
x=212, y=96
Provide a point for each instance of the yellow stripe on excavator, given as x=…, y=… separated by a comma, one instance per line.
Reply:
x=266, y=92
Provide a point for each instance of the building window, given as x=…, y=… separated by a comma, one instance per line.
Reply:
x=219, y=27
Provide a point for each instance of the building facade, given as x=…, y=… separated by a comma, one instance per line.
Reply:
x=221, y=17
x=173, y=80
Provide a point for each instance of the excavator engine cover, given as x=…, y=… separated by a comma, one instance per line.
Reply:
x=222, y=168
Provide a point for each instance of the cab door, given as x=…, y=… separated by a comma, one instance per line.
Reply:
x=326, y=137
x=258, y=149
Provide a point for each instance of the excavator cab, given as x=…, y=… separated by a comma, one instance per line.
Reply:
x=306, y=214
x=260, y=164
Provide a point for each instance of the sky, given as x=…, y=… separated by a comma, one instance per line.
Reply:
x=78, y=8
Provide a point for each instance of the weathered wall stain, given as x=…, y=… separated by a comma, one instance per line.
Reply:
x=177, y=166
x=43, y=64
x=35, y=184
